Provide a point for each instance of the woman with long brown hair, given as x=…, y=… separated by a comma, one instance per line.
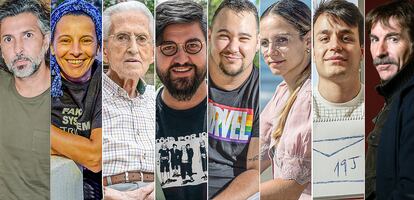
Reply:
x=285, y=123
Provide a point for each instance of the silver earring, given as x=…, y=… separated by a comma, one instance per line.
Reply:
x=307, y=50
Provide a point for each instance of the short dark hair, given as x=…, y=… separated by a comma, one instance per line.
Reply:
x=178, y=12
x=402, y=11
x=237, y=6
x=345, y=11
x=11, y=8
x=295, y=12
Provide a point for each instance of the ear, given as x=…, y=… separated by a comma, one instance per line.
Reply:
x=258, y=42
x=52, y=50
x=46, y=40
x=152, y=56
x=209, y=34
x=308, y=40
x=362, y=53
x=105, y=53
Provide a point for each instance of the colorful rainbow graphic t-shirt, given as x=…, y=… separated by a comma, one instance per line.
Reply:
x=233, y=119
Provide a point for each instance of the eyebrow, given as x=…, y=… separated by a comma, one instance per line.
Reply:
x=392, y=34
x=343, y=31
x=240, y=34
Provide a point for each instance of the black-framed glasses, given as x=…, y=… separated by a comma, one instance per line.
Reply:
x=170, y=48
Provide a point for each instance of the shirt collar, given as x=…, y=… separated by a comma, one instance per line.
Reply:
x=116, y=89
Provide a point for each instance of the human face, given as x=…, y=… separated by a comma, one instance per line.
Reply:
x=284, y=51
x=391, y=48
x=233, y=41
x=337, y=49
x=23, y=46
x=129, y=60
x=182, y=73
x=75, y=45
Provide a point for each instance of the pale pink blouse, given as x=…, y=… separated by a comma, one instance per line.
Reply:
x=291, y=157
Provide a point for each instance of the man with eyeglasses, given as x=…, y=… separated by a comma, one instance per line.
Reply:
x=181, y=103
x=128, y=104
x=233, y=124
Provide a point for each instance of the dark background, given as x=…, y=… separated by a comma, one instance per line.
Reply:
x=373, y=101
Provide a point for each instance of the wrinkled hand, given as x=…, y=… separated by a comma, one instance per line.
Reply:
x=144, y=193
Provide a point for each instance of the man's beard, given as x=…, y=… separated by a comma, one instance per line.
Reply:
x=182, y=89
x=21, y=71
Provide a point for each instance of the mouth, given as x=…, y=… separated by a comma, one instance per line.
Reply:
x=383, y=67
x=182, y=69
x=278, y=62
x=132, y=60
x=232, y=58
x=336, y=58
x=75, y=62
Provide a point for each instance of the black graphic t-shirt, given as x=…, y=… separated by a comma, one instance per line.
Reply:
x=185, y=178
x=233, y=120
x=78, y=111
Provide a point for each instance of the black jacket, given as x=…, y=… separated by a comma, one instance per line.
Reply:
x=388, y=90
x=395, y=166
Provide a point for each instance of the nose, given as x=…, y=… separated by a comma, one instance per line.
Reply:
x=18, y=46
x=181, y=56
x=133, y=47
x=381, y=49
x=335, y=44
x=272, y=50
x=233, y=45
x=76, y=49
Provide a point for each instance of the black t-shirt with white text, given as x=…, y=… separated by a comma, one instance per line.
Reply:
x=78, y=112
x=187, y=130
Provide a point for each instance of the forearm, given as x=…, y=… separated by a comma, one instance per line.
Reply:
x=248, y=180
x=282, y=189
x=87, y=152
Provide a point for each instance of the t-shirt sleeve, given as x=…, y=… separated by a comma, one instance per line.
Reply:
x=97, y=113
x=293, y=152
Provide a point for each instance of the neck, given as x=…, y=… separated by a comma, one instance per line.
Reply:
x=197, y=98
x=83, y=79
x=339, y=92
x=227, y=82
x=129, y=85
x=35, y=84
x=296, y=77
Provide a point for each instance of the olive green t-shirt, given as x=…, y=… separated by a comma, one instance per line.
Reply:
x=24, y=143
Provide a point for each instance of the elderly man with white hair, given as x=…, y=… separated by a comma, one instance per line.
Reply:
x=128, y=103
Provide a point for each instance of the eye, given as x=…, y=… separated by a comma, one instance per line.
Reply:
x=373, y=39
x=347, y=39
x=264, y=43
x=141, y=39
x=168, y=47
x=394, y=39
x=64, y=40
x=244, y=39
x=323, y=39
x=28, y=35
x=223, y=37
x=87, y=40
x=122, y=37
x=281, y=41
x=7, y=39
